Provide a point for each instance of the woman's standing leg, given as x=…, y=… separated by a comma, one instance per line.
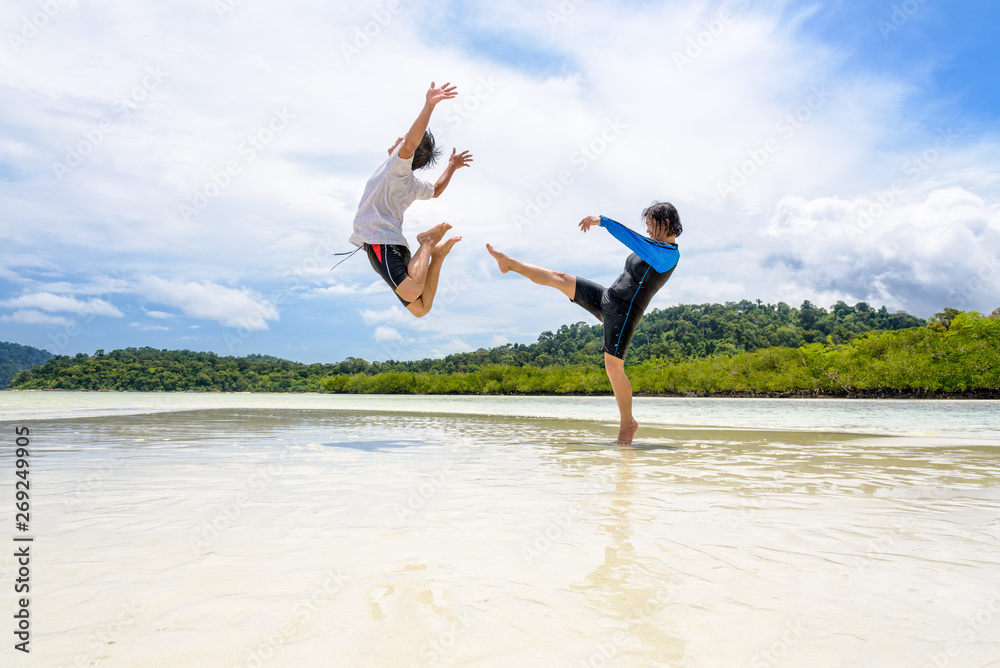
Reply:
x=623, y=396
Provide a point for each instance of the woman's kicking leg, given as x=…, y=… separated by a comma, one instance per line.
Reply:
x=623, y=396
x=565, y=283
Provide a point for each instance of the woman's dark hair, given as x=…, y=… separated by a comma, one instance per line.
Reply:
x=665, y=217
x=427, y=153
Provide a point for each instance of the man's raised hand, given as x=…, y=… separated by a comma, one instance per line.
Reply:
x=444, y=92
x=457, y=160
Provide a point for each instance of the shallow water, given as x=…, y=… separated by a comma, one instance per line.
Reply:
x=304, y=531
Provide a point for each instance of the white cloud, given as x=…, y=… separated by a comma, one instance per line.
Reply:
x=451, y=347
x=160, y=315
x=283, y=216
x=935, y=249
x=233, y=307
x=394, y=315
x=47, y=301
x=149, y=328
x=344, y=289
x=36, y=318
x=383, y=334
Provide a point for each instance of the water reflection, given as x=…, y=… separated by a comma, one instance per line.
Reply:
x=623, y=588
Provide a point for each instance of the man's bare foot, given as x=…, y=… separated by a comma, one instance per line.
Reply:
x=503, y=261
x=433, y=235
x=626, y=432
x=443, y=248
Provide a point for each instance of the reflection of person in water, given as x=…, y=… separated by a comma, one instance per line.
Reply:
x=621, y=306
x=630, y=585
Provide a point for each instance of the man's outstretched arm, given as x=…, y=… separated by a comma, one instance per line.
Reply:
x=419, y=127
x=455, y=162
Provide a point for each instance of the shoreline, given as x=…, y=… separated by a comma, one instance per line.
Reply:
x=970, y=395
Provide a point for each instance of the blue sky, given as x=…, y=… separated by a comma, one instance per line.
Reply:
x=179, y=176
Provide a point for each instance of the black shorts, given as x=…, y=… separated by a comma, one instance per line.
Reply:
x=619, y=323
x=389, y=261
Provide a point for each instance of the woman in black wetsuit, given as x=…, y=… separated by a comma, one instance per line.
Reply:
x=621, y=306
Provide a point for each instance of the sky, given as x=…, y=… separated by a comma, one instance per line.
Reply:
x=181, y=175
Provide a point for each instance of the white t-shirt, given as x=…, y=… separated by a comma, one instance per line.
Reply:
x=390, y=190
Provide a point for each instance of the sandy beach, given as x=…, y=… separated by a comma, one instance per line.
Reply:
x=301, y=535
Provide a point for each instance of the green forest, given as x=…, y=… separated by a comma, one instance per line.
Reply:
x=735, y=349
x=14, y=358
x=679, y=332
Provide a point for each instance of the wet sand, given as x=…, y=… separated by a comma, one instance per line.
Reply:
x=249, y=537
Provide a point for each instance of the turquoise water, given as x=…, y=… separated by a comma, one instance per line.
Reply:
x=249, y=530
x=964, y=419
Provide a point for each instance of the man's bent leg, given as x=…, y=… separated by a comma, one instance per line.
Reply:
x=421, y=306
x=413, y=285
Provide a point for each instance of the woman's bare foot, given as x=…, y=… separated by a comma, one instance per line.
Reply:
x=503, y=261
x=443, y=248
x=433, y=235
x=626, y=432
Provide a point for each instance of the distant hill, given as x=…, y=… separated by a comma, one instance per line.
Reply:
x=15, y=358
x=686, y=332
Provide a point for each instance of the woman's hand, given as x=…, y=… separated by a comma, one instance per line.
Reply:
x=589, y=222
x=443, y=92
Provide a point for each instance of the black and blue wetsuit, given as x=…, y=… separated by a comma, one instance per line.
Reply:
x=621, y=306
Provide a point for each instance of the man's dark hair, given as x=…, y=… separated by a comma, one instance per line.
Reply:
x=664, y=216
x=427, y=153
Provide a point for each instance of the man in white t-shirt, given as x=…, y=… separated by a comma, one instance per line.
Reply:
x=378, y=225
